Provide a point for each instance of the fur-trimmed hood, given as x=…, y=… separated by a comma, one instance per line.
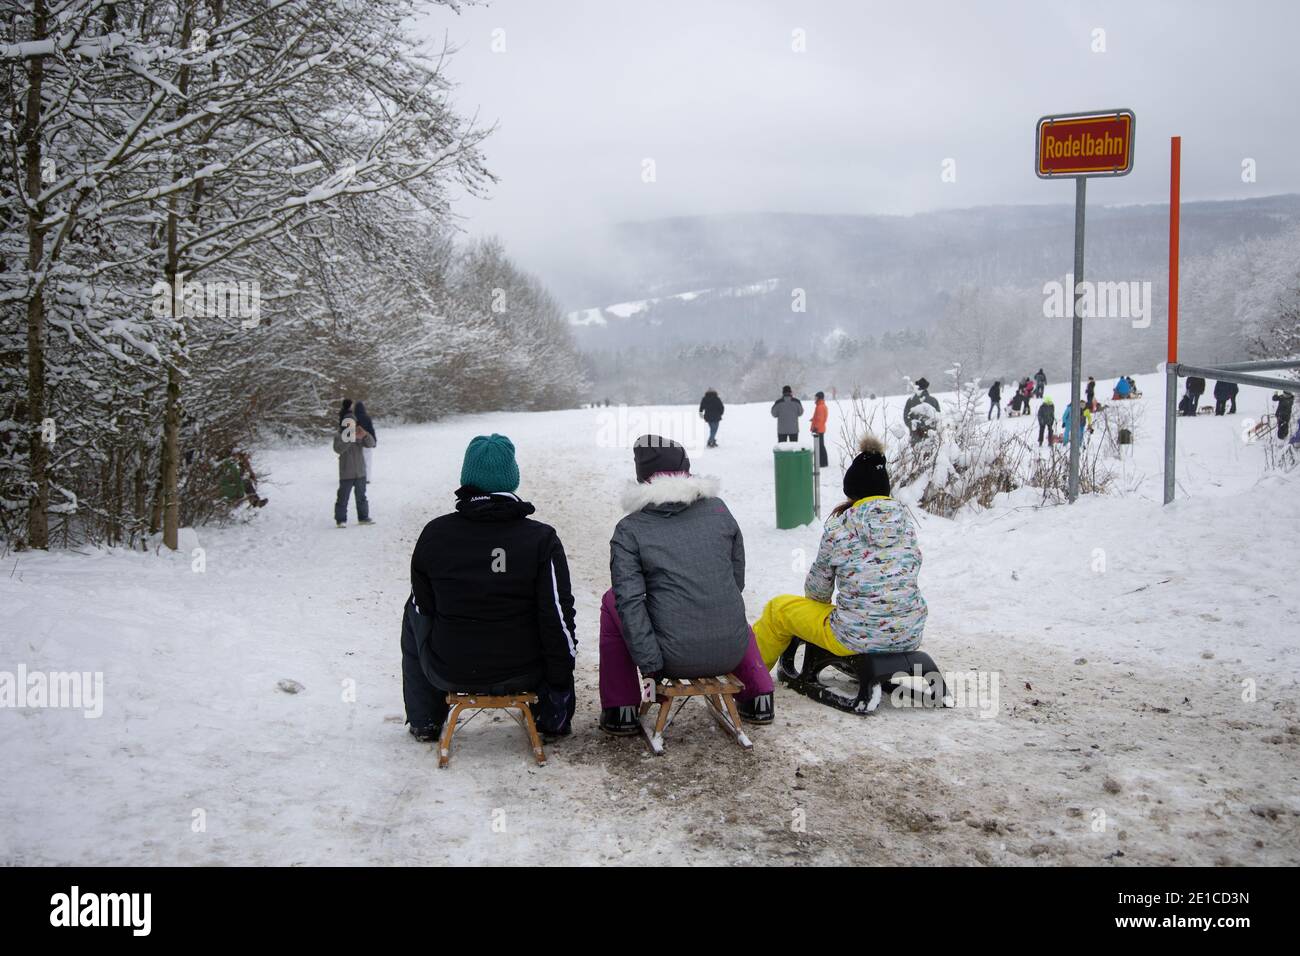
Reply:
x=667, y=488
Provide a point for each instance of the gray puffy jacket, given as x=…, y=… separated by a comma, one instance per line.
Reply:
x=787, y=411
x=678, y=566
x=352, y=460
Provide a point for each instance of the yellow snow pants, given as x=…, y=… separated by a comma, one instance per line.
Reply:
x=790, y=616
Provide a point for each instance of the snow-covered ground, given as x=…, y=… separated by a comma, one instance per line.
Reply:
x=1146, y=662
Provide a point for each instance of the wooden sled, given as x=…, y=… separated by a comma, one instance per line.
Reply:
x=719, y=694
x=521, y=702
x=1263, y=428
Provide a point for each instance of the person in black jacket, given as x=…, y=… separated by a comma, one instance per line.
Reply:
x=1285, y=402
x=1195, y=388
x=995, y=400
x=711, y=409
x=1220, y=397
x=1046, y=420
x=491, y=608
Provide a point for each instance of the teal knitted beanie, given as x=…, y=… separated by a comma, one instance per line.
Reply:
x=490, y=464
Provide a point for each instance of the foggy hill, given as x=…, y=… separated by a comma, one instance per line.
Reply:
x=730, y=278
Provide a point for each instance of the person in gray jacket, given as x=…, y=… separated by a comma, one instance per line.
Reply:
x=349, y=441
x=677, y=560
x=787, y=410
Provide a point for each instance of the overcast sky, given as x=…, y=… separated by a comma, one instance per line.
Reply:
x=861, y=121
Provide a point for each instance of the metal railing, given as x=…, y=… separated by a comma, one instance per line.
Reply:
x=1239, y=373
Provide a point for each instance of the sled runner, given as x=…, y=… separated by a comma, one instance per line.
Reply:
x=718, y=693
x=521, y=702
x=802, y=665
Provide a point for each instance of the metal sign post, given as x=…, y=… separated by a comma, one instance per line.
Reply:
x=1076, y=340
x=1078, y=146
x=1171, y=360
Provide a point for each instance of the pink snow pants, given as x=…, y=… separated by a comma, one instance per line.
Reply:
x=618, y=686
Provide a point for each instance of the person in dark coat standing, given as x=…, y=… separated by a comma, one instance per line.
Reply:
x=1040, y=383
x=787, y=410
x=1220, y=397
x=1092, y=393
x=1046, y=420
x=995, y=400
x=1285, y=402
x=1195, y=388
x=491, y=607
x=711, y=409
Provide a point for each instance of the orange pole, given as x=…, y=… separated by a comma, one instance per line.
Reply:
x=1175, y=172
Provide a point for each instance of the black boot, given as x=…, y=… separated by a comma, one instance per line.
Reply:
x=620, y=721
x=756, y=710
x=426, y=733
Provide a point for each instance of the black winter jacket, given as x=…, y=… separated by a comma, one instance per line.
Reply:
x=1196, y=385
x=496, y=585
x=711, y=407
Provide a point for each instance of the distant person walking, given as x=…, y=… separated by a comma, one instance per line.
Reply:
x=349, y=440
x=1195, y=388
x=1040, y=383
x=1092, y=392
x=711, y=409
x=995, y=400
x=1046, y=420
x=787, y=410
x=818, y=428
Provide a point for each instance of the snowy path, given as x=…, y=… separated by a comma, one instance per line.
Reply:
x=1145, y=753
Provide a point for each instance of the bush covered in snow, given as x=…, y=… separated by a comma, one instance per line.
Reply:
x=964, y=462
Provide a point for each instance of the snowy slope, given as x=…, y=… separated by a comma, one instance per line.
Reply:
x=1120, y=690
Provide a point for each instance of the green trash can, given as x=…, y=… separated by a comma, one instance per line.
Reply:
x=794, y=486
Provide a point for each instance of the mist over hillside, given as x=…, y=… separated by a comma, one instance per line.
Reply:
x=726, y=294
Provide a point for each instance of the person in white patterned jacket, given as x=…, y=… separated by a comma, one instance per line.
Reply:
x=861, y=593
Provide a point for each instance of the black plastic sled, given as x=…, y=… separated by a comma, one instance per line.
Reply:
x=828, y=679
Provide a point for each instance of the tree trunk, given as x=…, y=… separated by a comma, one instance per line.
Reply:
x=171, y=451
x=171, y=448
x=38, y=529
